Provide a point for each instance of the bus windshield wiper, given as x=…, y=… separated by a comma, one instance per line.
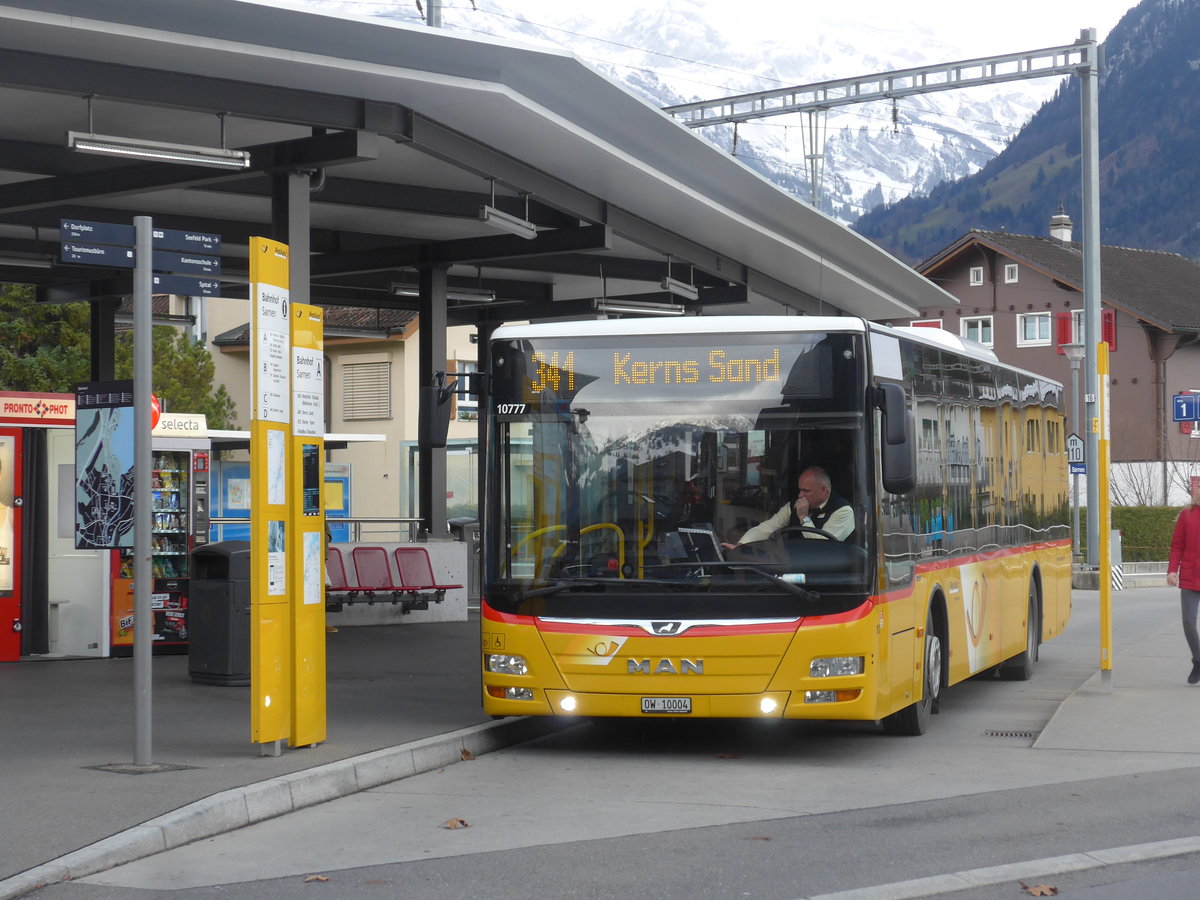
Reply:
x=556, y=587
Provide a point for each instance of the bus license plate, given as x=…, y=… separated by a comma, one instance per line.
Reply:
x=671, y=705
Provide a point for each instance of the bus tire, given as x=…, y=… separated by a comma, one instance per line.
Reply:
x=1020, y=667
x=914, y=718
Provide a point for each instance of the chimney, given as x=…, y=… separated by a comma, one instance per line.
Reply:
x=1060, y=226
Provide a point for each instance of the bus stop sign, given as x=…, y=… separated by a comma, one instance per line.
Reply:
x=1075, y=455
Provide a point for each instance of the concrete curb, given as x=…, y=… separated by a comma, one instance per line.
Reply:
x=238, y=807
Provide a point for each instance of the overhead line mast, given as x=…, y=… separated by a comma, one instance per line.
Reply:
x=818, y=98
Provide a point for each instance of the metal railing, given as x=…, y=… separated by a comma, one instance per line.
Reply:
x=362, y=528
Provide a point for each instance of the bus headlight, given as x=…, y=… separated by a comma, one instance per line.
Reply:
x=829, y=666
x=501, y=664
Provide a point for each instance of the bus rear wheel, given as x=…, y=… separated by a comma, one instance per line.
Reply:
x=1020, y=667
x=914, y=718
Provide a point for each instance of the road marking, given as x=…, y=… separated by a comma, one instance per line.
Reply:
x=1022, y=871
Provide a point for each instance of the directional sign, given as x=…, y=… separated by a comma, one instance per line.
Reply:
x=1185, y=407
x=191, y=241
x=186, y=285
x=96, y=254
x=95, y=232
x=186, y=263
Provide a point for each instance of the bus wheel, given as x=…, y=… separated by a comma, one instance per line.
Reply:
x=914, y=718
x=1020, y=667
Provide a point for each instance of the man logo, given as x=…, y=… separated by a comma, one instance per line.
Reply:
x=664, y=667
x=666, y=627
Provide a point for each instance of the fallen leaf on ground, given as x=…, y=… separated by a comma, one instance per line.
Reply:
x=1038, y=890
x=727, y=756
x=756, y=837
x=316, y=878
x=455, y=823
x=467, y=754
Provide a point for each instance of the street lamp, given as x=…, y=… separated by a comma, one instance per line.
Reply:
x=1074, y=354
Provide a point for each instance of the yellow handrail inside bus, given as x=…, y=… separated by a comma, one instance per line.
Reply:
x=585, y=530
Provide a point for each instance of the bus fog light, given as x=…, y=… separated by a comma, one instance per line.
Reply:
x=505, y=665
x=820, y=696
x=567, y=704
x=830, y=666
x=767, y=705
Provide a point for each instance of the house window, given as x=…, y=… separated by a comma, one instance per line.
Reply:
x=1033, y=330
x=466, y=406
x=977, y=328
x=976, y=276
x=1010, y=273
x=1033, y=436
x=925, y=323
x=367, y=390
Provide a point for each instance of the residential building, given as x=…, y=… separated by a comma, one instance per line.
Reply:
x=1022, y=296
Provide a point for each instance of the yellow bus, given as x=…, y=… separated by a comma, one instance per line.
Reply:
x=628, y=461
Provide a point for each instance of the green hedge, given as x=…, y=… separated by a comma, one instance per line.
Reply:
x=1145, y=531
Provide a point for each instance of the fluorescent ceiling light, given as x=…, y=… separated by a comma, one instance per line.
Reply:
x=158, y=151
x=639, y=309
x=680, y=288
x=469, y=295
x=33, y=261
x=505, y=222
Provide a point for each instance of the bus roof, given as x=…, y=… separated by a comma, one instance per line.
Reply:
x=656, y=325
x=714, y=325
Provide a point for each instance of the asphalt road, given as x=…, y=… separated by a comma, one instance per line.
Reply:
x=727, y=810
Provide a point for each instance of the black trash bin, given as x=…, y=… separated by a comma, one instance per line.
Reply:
x=466, y=529
x=219, y=614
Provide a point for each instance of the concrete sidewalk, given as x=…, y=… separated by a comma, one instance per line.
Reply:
x=407, y=694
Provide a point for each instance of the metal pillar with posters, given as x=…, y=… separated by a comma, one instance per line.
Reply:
x=270, y=440
x=10, y=536
x=307, y=524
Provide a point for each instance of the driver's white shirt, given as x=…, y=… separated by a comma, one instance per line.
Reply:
x=839, y=525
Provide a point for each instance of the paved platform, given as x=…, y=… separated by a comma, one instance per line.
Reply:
x=63, y=721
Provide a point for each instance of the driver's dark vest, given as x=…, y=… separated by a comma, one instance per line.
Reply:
x=832, y=505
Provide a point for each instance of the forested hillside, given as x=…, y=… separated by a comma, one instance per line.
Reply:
x=1149, y=133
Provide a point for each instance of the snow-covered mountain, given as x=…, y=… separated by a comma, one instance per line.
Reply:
x=687, y=50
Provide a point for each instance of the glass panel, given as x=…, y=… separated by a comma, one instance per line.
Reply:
x=620, y=471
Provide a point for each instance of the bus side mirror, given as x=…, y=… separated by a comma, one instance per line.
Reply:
x=433, y=414
x=898, y=452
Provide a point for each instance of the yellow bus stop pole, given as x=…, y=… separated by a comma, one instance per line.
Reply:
x=1101, y=425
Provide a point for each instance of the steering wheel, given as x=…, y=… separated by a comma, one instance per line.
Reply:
x=793, y=530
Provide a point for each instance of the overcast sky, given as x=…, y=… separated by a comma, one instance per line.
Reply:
x=1015, y=25
x=1012, y=26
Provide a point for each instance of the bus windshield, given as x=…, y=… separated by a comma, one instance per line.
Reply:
x=627, y=472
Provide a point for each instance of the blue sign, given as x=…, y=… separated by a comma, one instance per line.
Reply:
x=96, y=232
x=96, y=254
x=1185, y=407
x=186, y=285
x=190, y=241
x=1077, y=468
x=186, y=263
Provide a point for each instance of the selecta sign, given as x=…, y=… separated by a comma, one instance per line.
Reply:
x=180, y=425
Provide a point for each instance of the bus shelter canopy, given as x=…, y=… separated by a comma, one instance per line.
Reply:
x=405, y=134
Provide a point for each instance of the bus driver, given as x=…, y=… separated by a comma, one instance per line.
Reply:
x=816, y=507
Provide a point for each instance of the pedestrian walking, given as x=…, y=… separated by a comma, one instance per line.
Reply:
x=1183, y=572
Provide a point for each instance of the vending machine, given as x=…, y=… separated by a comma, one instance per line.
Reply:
x=179, y=487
